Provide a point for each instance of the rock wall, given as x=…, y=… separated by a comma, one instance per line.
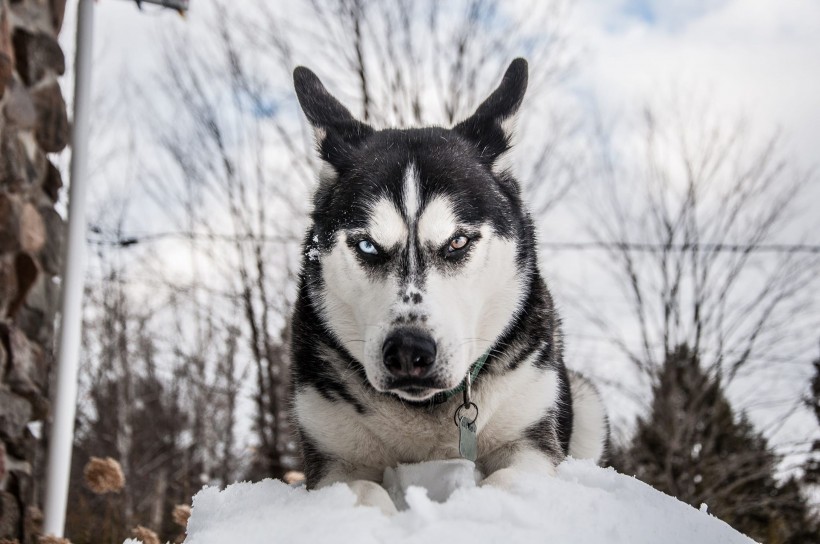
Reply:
x=33, y=123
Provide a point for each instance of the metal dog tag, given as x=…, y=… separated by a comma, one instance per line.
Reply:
x=467, y=441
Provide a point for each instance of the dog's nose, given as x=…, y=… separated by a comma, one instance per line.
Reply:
x=409, y=353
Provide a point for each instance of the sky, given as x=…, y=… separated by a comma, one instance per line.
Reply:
x=759, y=57
x=756, y=58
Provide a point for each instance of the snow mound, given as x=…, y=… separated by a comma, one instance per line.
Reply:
x=582, y=504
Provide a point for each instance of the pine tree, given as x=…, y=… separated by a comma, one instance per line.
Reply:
x=812, y=474
x=692, y=445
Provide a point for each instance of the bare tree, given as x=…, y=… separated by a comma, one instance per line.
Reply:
x=699, y=225
x=190, y=296
x=163, y=406
x=412, y=63
x=233, y=165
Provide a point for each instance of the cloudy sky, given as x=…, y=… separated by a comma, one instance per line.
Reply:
x=759, y=58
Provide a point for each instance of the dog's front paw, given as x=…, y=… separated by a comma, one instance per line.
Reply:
x=528, y=467
x=506, y=479
x=372, y=494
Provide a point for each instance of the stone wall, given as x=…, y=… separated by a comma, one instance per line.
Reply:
x=33, y=123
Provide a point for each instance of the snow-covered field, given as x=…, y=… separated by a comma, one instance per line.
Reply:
x=583, y=504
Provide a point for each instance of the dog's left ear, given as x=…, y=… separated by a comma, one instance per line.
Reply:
x=490, y=127
x=337, y=131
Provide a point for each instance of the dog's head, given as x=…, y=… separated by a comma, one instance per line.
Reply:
x=420, y=252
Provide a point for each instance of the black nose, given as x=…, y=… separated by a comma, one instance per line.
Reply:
x=409, y=353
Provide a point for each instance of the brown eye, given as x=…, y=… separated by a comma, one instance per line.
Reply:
x=459, y=242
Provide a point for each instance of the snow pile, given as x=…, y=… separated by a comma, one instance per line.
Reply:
x=583, y=504
x=440, y=479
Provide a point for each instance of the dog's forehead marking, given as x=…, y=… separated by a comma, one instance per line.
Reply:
x=410, y=192
x=411, y=187
x=386, y=226
x=437, y=222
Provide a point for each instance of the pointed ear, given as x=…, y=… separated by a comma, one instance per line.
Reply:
x=490, y=127
x=337, y=131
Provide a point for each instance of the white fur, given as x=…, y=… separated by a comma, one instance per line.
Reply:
x=360, y=308
x=508, y=125
x=377, y=439
x=370, y=493
x=437, y=223
x=511, y=403
x=327, y=174
x=466, y=309
x=470, y=323
x=589, y=421
x=363, y=444
x=319, y=134
x=357, y=307
x=523, y=465
x=387, y=227
x=410, y=200
x=465, y=325
x=410, y=194
x=505, y=161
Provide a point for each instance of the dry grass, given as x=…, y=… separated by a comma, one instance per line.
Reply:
x=181, y=514
x=146, y=535
x=293, y=477
x=103, y=475
x=49, y=539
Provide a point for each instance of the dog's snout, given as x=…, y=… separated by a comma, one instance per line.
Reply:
x=409, y=353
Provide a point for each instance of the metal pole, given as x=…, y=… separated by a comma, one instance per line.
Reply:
x=68, y=350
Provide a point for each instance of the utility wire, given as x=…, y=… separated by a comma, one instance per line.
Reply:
x=658, y=248
x=125, y=241
x=129, y=240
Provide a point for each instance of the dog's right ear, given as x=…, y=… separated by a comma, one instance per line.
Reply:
x=336, y=130
x=490, y=127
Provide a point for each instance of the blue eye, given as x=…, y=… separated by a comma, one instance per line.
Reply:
x=366, y=246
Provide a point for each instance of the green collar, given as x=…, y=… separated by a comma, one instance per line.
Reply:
x=476, y=368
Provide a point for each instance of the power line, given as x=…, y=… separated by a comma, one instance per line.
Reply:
x=659, y=248
x=129, y=240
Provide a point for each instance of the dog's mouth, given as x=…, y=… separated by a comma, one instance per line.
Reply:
x=415, y=389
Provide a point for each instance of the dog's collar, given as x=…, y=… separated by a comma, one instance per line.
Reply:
x=474, y=370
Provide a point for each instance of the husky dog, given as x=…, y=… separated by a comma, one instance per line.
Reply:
x=420, y=273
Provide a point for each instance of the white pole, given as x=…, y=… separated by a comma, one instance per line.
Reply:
x=68, y=350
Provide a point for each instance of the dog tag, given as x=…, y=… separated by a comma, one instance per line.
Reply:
x=467, y=441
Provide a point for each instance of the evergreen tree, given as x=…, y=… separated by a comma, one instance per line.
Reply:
x=692, y=446
x=812, y=476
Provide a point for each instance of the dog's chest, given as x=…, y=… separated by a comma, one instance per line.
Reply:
x=389, y=433
x=411, y=437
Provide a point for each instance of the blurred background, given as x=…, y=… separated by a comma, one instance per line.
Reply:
x=668, y=153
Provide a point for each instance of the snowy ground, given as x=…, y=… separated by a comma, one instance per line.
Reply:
x=583, y=504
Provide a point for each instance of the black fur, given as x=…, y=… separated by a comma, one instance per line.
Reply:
x=483, y=128
x=369, y=164
x=314, y=461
